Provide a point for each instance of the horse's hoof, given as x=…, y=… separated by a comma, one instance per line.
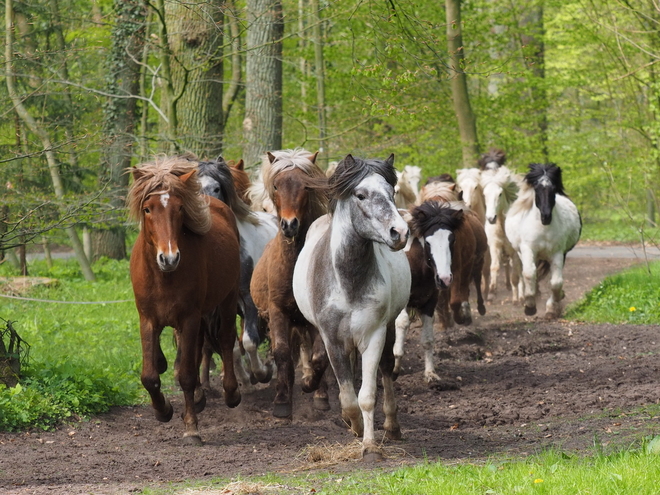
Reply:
x=253, y=379
x=372, y=456
x=550, y=315
x=482, y=309
x=530, y=310
x=193, y=440
x=321, y=404
x=262, y=377
x=167, y=415
x=394, y=434
x=233, y=400
x=282, y=410
x=395, y=375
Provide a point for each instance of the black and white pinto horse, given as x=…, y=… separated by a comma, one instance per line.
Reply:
x=543, y=224
x=256, y=229
x=351, y=281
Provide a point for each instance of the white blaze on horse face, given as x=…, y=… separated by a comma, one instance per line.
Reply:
x=208, y=185
x=441, y=253
x=164, y=199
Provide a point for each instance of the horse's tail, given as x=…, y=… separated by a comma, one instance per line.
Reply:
x=542, y=270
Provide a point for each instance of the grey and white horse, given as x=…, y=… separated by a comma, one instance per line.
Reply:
x=255, y=229
x=351, y=281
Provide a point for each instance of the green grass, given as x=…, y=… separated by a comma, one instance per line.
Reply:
x=631, y=471
x=620, y=231
x=83, y=358
x=632, y=296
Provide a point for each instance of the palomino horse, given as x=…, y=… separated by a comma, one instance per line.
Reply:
x=469, y=183
x=298, y=189
x=543, y=225
x=445, y=256
x=351, y=281
x=180, y=281
x=406, y=191
x=256, y=229
x=500, y=191
x=493, y=159
x=258, y=197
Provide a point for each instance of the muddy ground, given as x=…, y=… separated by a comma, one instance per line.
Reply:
x=525, y=385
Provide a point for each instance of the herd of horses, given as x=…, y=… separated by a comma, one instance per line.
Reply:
x=326, y=265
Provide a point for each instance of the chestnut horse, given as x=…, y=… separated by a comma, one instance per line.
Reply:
x=180, y=281
x=298, y=190
x=241, y=178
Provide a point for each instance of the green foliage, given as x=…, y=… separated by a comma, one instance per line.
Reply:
x=83, y=358
x=628, y=297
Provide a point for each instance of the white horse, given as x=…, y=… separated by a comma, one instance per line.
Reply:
x=412, y=174
x=500, y=191
x=255, y=229
x=468, y=181
x=542, y=226
x=259, y=198
x=351, y=281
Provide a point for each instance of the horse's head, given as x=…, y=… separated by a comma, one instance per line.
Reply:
x=547, y=183
x=165, y=197
x=468, y=180
x=363, y=190
x=493, y=159
x=499, y=191
x=296, y=186
x=215, y=177
x=435, y=224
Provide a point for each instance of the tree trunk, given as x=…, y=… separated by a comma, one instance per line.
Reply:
x=467, y=124
x=235, y=86
x=534, y=58
x=195, y=31
x=262, y=126
x=36, y=128
x=319, y=64
x=119, y=120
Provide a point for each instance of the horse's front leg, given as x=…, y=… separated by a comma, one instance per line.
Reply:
x=190, y=340
x=280, y=334
x=261, y=371
x=153, y=364
x=401, y=325
x=528, y=260
x=386, y=365
x=371, y=356
x=460, y=299
x=553, y=306
x=227, y=342
x=428, y=340
x=318, y=363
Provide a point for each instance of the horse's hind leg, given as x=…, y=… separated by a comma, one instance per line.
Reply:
x=318, y=361
x=371, y=357
x=427, y=340
x=402, y=325
x=189, y=349
x=262, y=372
x=386, y=365
x=528, y=260
x=553, y=306
x=280, y=333
x=152, y=356
x=226, y=340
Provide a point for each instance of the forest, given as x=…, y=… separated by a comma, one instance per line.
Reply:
x=91, y=87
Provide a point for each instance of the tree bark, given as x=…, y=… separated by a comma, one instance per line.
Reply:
x=195, y=34
x=119, y=120
x=467, y=124
x=36, y=128
x=319, y=64
x=262, y=126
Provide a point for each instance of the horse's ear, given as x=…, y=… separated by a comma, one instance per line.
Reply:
x=452, y=187
x=313, y=158
x=136, y=173
x=240, y=165
x=390, y=160
x=271, y=157
x=349, y=160
x=458, y=214
x=184, y=178
x=460, y=196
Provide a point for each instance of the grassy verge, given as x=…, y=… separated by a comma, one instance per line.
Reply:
x=83, y=358
x=632, y=296
x=631, y=471
x=619, y=231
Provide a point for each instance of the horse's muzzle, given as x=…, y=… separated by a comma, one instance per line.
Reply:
x=398, y=238
x=168, y=263
x=290, y=227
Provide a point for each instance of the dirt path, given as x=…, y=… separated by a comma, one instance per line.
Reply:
x=525, y=384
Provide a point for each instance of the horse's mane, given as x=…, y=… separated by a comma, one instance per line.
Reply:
x=353, y=170
x=162, y=176
x=502, y=177
x=442, y=187
x=258, y=195
x=315, y=179
x=431, y=216
x=550, y=170
x=219, y=171
x=493, y=155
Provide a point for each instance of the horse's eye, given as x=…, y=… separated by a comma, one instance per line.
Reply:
x=275, y=188
x=361, y=197
x=147, y=210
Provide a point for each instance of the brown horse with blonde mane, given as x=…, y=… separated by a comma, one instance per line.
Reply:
x=298, y=189
x=180, y=281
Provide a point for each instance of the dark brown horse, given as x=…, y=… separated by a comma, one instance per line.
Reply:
x=445, y=256
x=180, y=281
x=298, y=189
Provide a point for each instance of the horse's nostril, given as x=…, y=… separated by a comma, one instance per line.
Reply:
x=394, y=234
